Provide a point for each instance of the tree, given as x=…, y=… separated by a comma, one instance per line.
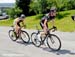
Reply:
x=71, y=4
x=38, y=6
x=41, y=6
x=23, y=5
x=13, y=12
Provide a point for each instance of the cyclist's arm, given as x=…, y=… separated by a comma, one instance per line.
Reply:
x=45, y=23
x=23, y=24
x=15, y=22
x=45, y=27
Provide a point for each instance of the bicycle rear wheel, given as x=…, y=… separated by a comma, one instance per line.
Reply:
x=25, y=37
x=12, y=35
x=54, y=42
x=34, y=39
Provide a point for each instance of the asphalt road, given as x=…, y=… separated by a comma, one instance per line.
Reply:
x=9, y=48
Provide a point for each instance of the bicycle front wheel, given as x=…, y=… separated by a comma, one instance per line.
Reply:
x=54, y=42
x=25, y=37
x=12, y=35
x=35, y=39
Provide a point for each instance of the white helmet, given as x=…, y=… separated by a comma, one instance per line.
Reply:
x=52, y=8
x=22, y=16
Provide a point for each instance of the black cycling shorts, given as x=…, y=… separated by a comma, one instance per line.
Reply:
x=42, y=24
x=19, y=24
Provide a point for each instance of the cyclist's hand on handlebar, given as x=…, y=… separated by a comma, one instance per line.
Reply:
x=24, y=26
x=54, y=27
x=12, y=25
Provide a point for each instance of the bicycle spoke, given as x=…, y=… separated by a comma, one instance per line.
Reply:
x=12, y=35
x=35, y=40
x=25, y=37
x=54, y=42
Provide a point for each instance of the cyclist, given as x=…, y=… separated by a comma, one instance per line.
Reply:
x=17, y=24
x=48, y=17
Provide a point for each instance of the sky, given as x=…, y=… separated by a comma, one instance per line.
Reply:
x=7, y=1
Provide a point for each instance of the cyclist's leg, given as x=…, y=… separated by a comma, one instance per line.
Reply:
x=39, y=35
x=17, y=28
x=45, y=28
x=43, y=34
x=42, y=26
x=19, y=31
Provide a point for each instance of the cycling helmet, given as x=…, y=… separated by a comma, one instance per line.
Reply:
x=52, y=9
x=22, y=16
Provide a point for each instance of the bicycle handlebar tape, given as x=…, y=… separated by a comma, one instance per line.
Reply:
x=54, y=28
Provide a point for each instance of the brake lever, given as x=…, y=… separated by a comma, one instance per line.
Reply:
x=54, y=29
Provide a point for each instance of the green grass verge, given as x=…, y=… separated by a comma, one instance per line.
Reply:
x=63, y=21
x=7, y=22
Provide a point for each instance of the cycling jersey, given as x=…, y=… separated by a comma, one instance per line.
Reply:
x=18, y=23
x=46, y=17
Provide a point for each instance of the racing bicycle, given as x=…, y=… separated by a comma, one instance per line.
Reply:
x=24, y=36
x=52, y=40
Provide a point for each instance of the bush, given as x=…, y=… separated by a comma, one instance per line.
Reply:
x=13, y=12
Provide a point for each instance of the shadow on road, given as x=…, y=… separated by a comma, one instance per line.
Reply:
x=64, y=51
x=26, y=44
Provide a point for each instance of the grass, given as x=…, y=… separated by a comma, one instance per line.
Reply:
x=7, y=22
x=63, y=21
x=66, y=23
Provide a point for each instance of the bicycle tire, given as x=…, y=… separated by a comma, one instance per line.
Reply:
x=12, y=34
x=35, y=39
x=51, y=39
x=26, y=37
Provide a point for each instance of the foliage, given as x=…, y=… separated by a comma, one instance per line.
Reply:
x=13, y=12
x=38, y=6
x=65, y=23
x=23, y=5
x=30, y=7
x=71, y=4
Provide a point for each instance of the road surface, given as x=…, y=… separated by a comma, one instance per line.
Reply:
x=9, y=48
